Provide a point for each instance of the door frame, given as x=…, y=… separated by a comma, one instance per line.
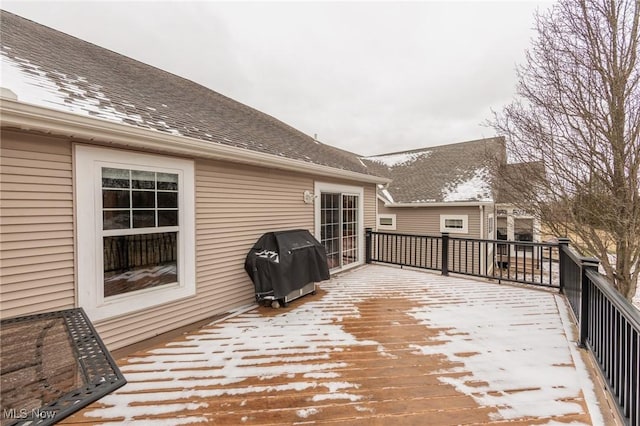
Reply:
x=334, y=188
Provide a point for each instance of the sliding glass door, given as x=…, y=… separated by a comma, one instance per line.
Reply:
x=339, y=228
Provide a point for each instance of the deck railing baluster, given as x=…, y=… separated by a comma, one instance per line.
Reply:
x=609, y=326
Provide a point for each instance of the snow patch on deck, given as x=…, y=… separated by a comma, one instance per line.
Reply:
x=529, y=371
x=510, y=342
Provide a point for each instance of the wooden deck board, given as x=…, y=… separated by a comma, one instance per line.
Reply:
x=358, y=353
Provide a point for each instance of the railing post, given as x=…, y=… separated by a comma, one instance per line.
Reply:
x=445, y=253
x=563, y=244
x=367, y=244
x=587, y=264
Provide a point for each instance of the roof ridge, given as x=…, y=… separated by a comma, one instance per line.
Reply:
x=442, y=146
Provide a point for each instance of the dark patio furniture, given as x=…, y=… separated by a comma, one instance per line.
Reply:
x=52, y=365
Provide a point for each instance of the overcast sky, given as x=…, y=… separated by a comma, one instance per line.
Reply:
x=369, y=77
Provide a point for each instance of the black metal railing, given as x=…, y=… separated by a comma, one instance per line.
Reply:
x=608, y=325
x=609, y=328
x=522, y=262
x=419, y=251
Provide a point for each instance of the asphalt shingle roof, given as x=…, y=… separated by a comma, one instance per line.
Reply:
x=53, y=69
x=508, y=189
x=455, y=172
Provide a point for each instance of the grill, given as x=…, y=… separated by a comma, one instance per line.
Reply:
x=286, y=265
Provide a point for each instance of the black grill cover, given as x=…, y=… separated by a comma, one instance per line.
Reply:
x=281, y=262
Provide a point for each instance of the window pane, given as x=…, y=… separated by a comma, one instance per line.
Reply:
x=168, y=199
x=168, y=181
x=143, y=180
x=143, y=199
x=115, y=219
x=136, y=262
x=144, y=218
x=115, y=199
x=335, y=216
x=453, y=223
x=386, y=221
x=167, y=218
x=115, y=178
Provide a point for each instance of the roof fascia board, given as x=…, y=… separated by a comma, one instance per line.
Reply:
x=442, y=204
x=14, y=114
x=383, y=199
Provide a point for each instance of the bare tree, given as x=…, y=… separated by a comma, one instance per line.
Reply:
x=577, y=112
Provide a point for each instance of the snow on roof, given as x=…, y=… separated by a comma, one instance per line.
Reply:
x=400, y=159
x=33, y=85
x=50, y=69
x=476, y=188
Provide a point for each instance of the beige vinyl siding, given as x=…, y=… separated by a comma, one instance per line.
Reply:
x=370, y=214
x=36, y=224
x=426, y=220
x=235, y=205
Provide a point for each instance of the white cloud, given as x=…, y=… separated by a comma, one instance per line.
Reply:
x=370, y=77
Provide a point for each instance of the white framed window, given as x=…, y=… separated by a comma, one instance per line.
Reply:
x=387, y=222
x=454, y=223
x=135, y=230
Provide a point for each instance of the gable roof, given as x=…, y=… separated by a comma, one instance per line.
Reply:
x=48, y=68
x=509, y=188
x=448, y=173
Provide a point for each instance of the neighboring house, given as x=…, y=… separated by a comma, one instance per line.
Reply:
x=136, y=194
x=448, y=188
x=513, y=223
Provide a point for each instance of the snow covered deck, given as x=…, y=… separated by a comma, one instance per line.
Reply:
x=376, y=346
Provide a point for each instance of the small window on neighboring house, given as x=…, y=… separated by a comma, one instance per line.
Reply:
x=387, y=221
x=454, y=223
x=136, y=230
